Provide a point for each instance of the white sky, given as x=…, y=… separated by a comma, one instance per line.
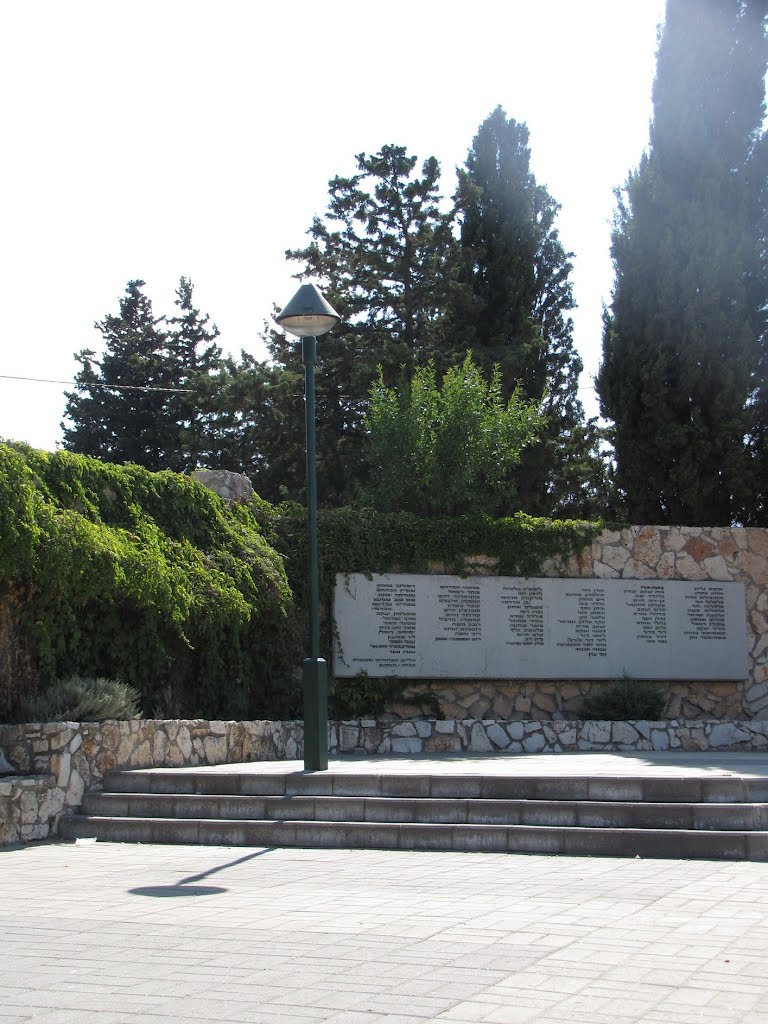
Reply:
x=161, y=138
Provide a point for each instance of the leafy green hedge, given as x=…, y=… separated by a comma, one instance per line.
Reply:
x=146, y=576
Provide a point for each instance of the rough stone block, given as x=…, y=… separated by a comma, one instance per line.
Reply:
x=442, y=744
x=478, y=740
x=60, y=767
x=636, y=570
x=660, y=739
x=75, y=790
x=688, y=569
x=402, y=729
x=497, y=736
x=215, y=748
x=228, y=485
x=160, y=747
x=623, y=732
x=604, y=572
x=717, y=568
x=647, y=547
x=534, y=743
x=615, y=558
x=349, y=737
x=567, y=737
x=727, y=734
x=406, y=745
x=597, y=732
x=665, y=567
x=516, y=730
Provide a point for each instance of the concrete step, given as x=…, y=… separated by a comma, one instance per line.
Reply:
x=706, y=816
x=404, y=810
x=616, y=842
x=670, y=789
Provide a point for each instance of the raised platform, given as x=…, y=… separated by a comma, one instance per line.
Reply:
x=623, y=804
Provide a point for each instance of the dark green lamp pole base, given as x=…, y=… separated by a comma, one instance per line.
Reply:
x=315, y=674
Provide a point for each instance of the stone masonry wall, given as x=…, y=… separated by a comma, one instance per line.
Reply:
x=637, y=553
x=58, y=762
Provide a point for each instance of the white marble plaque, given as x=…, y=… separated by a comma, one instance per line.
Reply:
x=495, y=627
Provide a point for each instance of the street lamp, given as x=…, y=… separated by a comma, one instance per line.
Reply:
x=308, y=315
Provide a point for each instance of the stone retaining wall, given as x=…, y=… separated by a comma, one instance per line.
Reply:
x=60, y=761
x=30, y=806
x=545, y=699
x=432, y=736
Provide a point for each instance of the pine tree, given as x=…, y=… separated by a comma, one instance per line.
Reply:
x=683, y=341
x=194, y=359
x=381, y=254
x=113, y=416
x=149, y=398
x=510, y=306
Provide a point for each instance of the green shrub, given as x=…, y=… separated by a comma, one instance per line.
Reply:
x=366, y=697
x=83, y=699
x=446, y=449
x=626, y=700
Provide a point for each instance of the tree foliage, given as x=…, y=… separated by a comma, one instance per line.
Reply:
x=113, y=416
x=414, y=282
x=381, y=253
x=147, y=399
x=514, y=289
x=194, y=359
x=449, y=449
x=510, y=305
x=410, y=291
x=681, y=376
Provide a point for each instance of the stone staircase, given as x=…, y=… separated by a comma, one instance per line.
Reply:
x=681, y=816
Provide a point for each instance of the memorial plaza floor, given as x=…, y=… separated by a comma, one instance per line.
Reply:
x=129, y=933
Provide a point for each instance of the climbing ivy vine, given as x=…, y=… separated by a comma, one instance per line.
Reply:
x=148, y=577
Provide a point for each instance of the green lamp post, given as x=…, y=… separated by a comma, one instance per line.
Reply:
x=308, y=315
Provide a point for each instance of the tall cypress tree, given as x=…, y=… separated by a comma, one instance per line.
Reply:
x=683, y=338
x=510, y=305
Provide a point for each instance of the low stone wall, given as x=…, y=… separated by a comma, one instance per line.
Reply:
x=58, y=762
x=471, y=736
x=30, y=806
x=79, y=754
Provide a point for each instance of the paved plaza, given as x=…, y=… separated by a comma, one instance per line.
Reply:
x=121, y=933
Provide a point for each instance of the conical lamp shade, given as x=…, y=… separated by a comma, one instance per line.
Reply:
x=308, y=314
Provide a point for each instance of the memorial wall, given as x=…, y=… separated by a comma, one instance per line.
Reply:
x=492, y=627
x=635, y=556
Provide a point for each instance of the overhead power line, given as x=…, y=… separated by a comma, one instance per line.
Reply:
x=97, y=384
